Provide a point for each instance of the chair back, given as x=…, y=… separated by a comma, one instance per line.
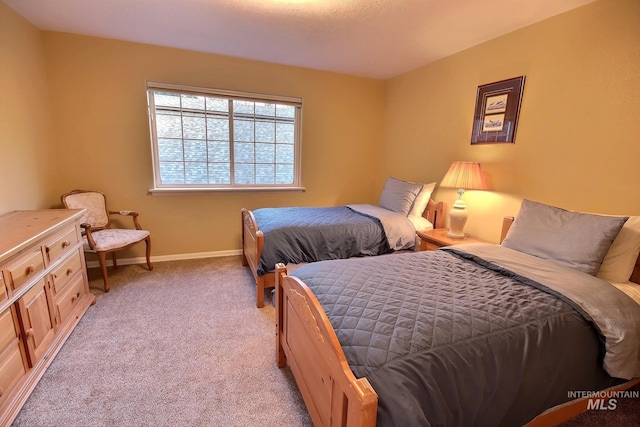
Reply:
x=94, y=202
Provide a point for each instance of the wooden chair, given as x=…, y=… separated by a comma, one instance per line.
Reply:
x=99, y=237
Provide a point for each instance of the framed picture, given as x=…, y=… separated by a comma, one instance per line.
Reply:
x=497, y=109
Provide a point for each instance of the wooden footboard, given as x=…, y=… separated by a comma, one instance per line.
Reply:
x=252, y=244
x=305, y=339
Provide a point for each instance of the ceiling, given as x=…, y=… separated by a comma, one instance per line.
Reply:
x=370, y=38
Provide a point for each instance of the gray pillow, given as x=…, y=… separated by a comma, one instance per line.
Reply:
x=398, y=195
x=577, y=240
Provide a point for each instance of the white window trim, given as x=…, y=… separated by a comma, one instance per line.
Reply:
x=159, y=189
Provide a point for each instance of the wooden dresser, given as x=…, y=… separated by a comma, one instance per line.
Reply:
x=43, y=294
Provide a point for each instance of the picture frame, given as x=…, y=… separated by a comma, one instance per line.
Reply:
x=497, y=109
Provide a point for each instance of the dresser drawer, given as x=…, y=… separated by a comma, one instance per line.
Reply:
x=67, y=300
x=65, y=271
x=3, y=289
x=24, y=268
x=7, y=329
x=12, y=368
x=60, y=244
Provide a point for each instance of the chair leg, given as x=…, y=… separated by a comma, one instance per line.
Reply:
x=147, y=241
x=102, y=259
x=113, y=258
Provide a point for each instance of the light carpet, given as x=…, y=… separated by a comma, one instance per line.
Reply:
x=182, y=345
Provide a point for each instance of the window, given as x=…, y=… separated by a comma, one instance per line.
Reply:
x=210, y=139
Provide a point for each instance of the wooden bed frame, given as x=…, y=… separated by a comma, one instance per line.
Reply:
x=253, y=242
x=333, y=396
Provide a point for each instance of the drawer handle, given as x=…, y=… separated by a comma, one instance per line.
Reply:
x=68, y=273
x=65, y=244
x=29, y=270
x=75, y=297
x=29, y=332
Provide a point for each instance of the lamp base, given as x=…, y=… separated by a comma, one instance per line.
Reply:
x=456, y=236
x=457, y=220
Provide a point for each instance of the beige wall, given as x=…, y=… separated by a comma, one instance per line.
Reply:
x=578, y=140
x=578, y=134
x=102, y=142
x=25, y=124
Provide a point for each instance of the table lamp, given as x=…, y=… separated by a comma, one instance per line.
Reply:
x=463, y=176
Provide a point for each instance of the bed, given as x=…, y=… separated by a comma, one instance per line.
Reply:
x=296, y=235
x=490, y=343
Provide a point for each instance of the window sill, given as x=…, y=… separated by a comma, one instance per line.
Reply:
x=183, y=191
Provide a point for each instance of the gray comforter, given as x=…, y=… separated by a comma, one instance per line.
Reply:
x=307, y=234
x=449, y=338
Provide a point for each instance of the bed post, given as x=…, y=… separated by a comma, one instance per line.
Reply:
x=507, y=221
x=252, y=244
x=244, y=257
x=281, y=358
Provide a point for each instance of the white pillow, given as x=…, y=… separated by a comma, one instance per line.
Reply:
x=420, y=204
x=620, y=260
x=398, y=195
x=420, y=222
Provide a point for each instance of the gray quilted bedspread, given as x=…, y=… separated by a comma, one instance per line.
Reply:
x=307, y=234
x=446, y=341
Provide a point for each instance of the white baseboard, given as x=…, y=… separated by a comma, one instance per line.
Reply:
x=143, y=260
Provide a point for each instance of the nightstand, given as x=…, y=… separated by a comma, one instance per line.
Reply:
x=433, y=239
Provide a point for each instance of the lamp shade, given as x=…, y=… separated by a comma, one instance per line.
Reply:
x=464, y=175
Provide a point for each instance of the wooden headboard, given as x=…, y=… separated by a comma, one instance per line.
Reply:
x=434, y=213
x=508, y=220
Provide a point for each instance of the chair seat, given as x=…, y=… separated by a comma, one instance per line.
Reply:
x=109, y=239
